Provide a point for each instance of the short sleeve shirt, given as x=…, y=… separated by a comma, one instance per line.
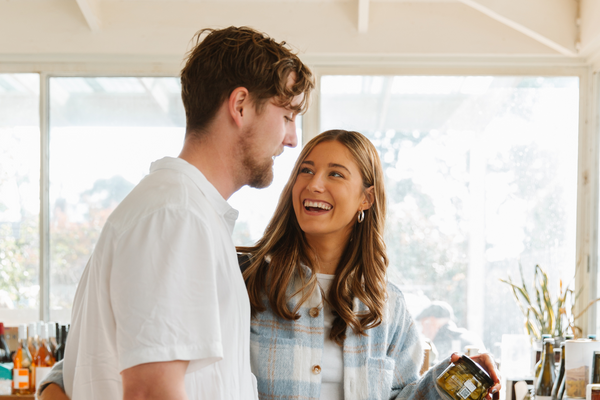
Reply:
x=163, y=284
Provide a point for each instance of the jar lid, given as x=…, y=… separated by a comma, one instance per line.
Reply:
x=477, y=370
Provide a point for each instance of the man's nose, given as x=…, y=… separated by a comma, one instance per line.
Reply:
x=290, y=139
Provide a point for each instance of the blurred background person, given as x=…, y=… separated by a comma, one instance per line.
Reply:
x=437, y=325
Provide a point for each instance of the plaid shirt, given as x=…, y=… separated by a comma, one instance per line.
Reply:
x=383, y=365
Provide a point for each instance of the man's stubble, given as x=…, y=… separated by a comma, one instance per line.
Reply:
x=258, y=170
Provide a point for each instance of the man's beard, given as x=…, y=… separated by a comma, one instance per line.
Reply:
x=258, y=173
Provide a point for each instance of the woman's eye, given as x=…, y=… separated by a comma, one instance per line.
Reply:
x=337, y=174
x=305, y=171
x=288, y=119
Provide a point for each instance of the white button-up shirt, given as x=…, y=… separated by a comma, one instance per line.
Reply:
x=163, y=284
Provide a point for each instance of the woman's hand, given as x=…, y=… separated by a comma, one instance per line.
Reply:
x=489, y=365
x=53, y=392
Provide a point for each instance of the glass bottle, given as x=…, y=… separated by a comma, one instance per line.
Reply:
x=32, y=338
x=52, y=342
x=596, y=368
x=4, y=350
x=24, y=370
x=43, y=360
x=60, y=350
x=561, y=373
x=538, y=364
x=543, y=387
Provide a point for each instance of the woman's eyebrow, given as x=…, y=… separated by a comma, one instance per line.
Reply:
x=333, y=165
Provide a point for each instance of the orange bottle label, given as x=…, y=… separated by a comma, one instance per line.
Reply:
x=21, y=378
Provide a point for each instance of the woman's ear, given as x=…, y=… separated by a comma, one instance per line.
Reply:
x=368, y=198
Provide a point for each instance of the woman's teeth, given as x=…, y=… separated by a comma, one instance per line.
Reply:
x=317, y=204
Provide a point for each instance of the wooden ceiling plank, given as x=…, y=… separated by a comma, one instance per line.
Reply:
x=90, y=13
x=519, y=27
x=363, y=16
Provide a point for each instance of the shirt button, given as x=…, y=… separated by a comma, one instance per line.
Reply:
x=314, y=312
x=316, y=369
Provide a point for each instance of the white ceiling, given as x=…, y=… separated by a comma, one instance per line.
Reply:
x=565, y=29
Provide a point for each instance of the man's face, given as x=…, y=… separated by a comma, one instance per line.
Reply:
x=270, y=130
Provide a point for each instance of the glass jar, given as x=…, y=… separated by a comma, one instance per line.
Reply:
x=465, y=379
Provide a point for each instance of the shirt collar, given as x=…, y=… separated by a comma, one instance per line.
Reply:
x=217, y=201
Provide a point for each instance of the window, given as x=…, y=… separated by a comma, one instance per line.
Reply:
x=481, y=177
x=19, y=197
x=104, y=132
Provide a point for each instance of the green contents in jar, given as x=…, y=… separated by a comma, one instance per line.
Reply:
x=464, y=380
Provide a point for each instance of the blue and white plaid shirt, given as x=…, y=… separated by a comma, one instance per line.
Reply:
x=286, y=355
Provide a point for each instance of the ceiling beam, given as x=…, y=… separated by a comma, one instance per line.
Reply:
x=89, y=9
x=363, y=16
x=559, y=30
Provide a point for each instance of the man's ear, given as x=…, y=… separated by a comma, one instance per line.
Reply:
x=239, y=100
x=368, y=198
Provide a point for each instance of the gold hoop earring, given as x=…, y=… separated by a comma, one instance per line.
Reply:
x=361, y=216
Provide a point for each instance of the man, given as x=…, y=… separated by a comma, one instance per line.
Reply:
x=437, y=324
x=161, y=311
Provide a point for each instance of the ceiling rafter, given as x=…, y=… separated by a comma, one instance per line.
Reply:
x=363, y=16
x=520, y=27
x=89, y=9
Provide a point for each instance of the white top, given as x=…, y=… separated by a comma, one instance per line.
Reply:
x=332, y=365
x=163, y=284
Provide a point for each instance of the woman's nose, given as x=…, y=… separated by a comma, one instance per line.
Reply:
x=315, y=184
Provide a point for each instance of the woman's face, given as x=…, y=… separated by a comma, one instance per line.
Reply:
x=328, y=191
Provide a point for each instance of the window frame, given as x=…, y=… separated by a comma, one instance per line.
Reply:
x=588, y=144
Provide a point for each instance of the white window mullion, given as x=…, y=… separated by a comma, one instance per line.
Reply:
x=44, y=199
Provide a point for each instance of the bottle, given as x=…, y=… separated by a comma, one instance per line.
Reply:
x=561, y=373
x=60, y=350
x=24, y=370
x=52, y=338
x=4, y=350
x=43, y=360
x=538, y=364
x=562, y=385
x=32, y=338
x=596, y=368
x=543, y=387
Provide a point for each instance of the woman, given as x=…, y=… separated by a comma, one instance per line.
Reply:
x=326, y=323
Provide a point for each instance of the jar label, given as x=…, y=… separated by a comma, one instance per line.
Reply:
x=466, y=390
x=21, y=378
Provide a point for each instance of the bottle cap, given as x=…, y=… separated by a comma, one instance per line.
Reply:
x=51, y=326
x=596, y=352
x=1, y=328
x=545, y=336
x=548, y=340
x=44, y=332
x=32, y=329
x=22, y=332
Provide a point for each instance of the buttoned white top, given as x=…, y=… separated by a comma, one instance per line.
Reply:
x=162, y=284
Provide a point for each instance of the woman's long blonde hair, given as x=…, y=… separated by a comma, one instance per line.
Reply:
x=361, y=272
